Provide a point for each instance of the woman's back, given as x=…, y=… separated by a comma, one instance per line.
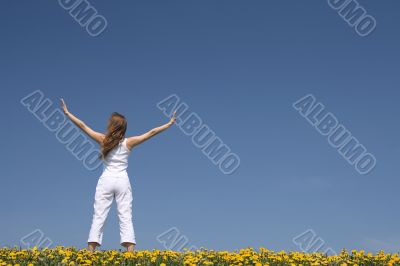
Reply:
x=116, y=160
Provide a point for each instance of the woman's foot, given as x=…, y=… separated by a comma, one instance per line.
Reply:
x=129, y=246
x=92, y=246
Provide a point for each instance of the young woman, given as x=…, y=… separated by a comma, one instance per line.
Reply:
x=114, y=181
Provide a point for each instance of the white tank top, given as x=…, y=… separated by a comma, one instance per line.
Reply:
x=116, y=160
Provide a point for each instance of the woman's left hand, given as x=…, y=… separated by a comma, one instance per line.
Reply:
x=64, y=106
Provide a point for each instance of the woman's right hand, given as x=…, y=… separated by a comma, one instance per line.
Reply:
x=173, y=118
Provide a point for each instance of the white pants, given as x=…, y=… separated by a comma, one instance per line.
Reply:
x=110, y=186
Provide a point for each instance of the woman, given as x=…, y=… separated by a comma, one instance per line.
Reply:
x=114, y=181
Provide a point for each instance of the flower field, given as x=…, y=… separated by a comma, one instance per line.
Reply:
x=72, y=256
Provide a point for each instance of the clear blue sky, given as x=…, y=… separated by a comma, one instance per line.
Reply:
x=239, y=65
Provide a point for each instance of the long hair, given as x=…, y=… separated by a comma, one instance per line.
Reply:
x=115, y=133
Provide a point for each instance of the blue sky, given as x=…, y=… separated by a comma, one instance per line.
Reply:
x=239, y=66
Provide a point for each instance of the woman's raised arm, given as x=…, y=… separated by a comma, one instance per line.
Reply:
x=136, y=140
x=98, y=137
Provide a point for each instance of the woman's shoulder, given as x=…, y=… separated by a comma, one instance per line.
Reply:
x=123, y=142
